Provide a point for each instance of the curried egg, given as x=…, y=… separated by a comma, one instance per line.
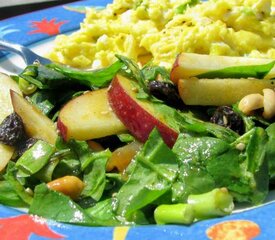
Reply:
x=158, y=30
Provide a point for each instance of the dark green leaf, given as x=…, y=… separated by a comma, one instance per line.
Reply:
x=56, y=206
x=94, y=179
x=153, y=173
x=9, y=196
x=93, y=78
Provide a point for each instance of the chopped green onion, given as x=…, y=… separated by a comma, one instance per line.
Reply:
x=180, y=213
x=26, y=87
x=215, y=203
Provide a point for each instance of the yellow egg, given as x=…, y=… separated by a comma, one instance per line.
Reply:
x=159, y=30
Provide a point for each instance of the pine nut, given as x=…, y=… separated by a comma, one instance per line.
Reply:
x=68, y=185
x=251, y=102
x=269, y=103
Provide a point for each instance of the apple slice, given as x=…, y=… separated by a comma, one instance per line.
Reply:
x=89, y=116
x=6, y=83
x=36, y=124
x=219, y=92
x=140, y=117
x=188, y=65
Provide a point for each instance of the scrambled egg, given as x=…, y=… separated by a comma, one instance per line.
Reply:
x=158, y=30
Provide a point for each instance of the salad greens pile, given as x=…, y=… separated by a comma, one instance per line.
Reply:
x=208, y=168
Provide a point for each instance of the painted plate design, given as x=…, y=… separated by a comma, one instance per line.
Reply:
x=34, y=29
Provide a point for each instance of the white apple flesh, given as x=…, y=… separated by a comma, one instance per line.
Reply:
x=188, y=65
x=219, y=92
x=89, y=116
x=6, y=84
x=36, y=124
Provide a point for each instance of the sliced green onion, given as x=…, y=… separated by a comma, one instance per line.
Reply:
x=180, y=213
x=26, y=87
x=215, y=203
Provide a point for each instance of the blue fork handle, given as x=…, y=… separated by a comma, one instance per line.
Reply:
x=29, y=56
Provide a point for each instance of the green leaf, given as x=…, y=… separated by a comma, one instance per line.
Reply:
x=103, y=211
x=154, y=170
x=10, y=177
x=193, y=153
x=9, y=196
x=270, y=150
x=208, y=162
x=93, y=78
x=56, y=206
x=251, y=71
x=94, y=179
x=152, y=72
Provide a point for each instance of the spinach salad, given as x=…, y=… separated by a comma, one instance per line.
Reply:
x=216, y=157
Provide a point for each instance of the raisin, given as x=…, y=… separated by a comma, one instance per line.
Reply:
x=226, y=117
x=12, y=130
x=167, y=92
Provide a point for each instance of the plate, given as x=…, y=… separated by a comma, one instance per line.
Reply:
x=37, y=30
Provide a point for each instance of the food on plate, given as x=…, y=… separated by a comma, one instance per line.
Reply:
x=5, y=109
x=188, y=65
x=89, y=116
x=37, y=125
x=150, y=133
x=119, y=146
x=219, y=92
x=140, y=117
x=159, y=30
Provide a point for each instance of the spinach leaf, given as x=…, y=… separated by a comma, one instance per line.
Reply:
x=193, y=153
x=244, y=172
x=94, y=179
x=103, y=211
x=56, y=206
x=131, y=70
x=44, y=100
x=43, y=77
x=68, y=166
x=153, y=171
x=92, y=79
x=254, y=71
x=85, y=154
x=9, y=196
x=152, y=72
x=54, y=75
x=270, y=151
x=10, y=177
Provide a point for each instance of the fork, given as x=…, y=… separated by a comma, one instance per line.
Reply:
x=28, y=56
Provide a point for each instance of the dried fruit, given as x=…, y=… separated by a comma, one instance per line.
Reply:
x=226, y=117
x=12, y=130
x=166, y=92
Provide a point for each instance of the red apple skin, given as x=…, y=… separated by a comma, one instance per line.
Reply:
x=135, y=114
x=62, y=129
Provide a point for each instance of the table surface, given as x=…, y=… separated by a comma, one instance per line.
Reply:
x=28, y=6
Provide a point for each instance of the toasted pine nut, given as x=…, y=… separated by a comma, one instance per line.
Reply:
x=68, y=185
x=269, y=103
x=251, y=102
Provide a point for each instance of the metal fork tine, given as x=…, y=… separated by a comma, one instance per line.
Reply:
x=28, y=56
